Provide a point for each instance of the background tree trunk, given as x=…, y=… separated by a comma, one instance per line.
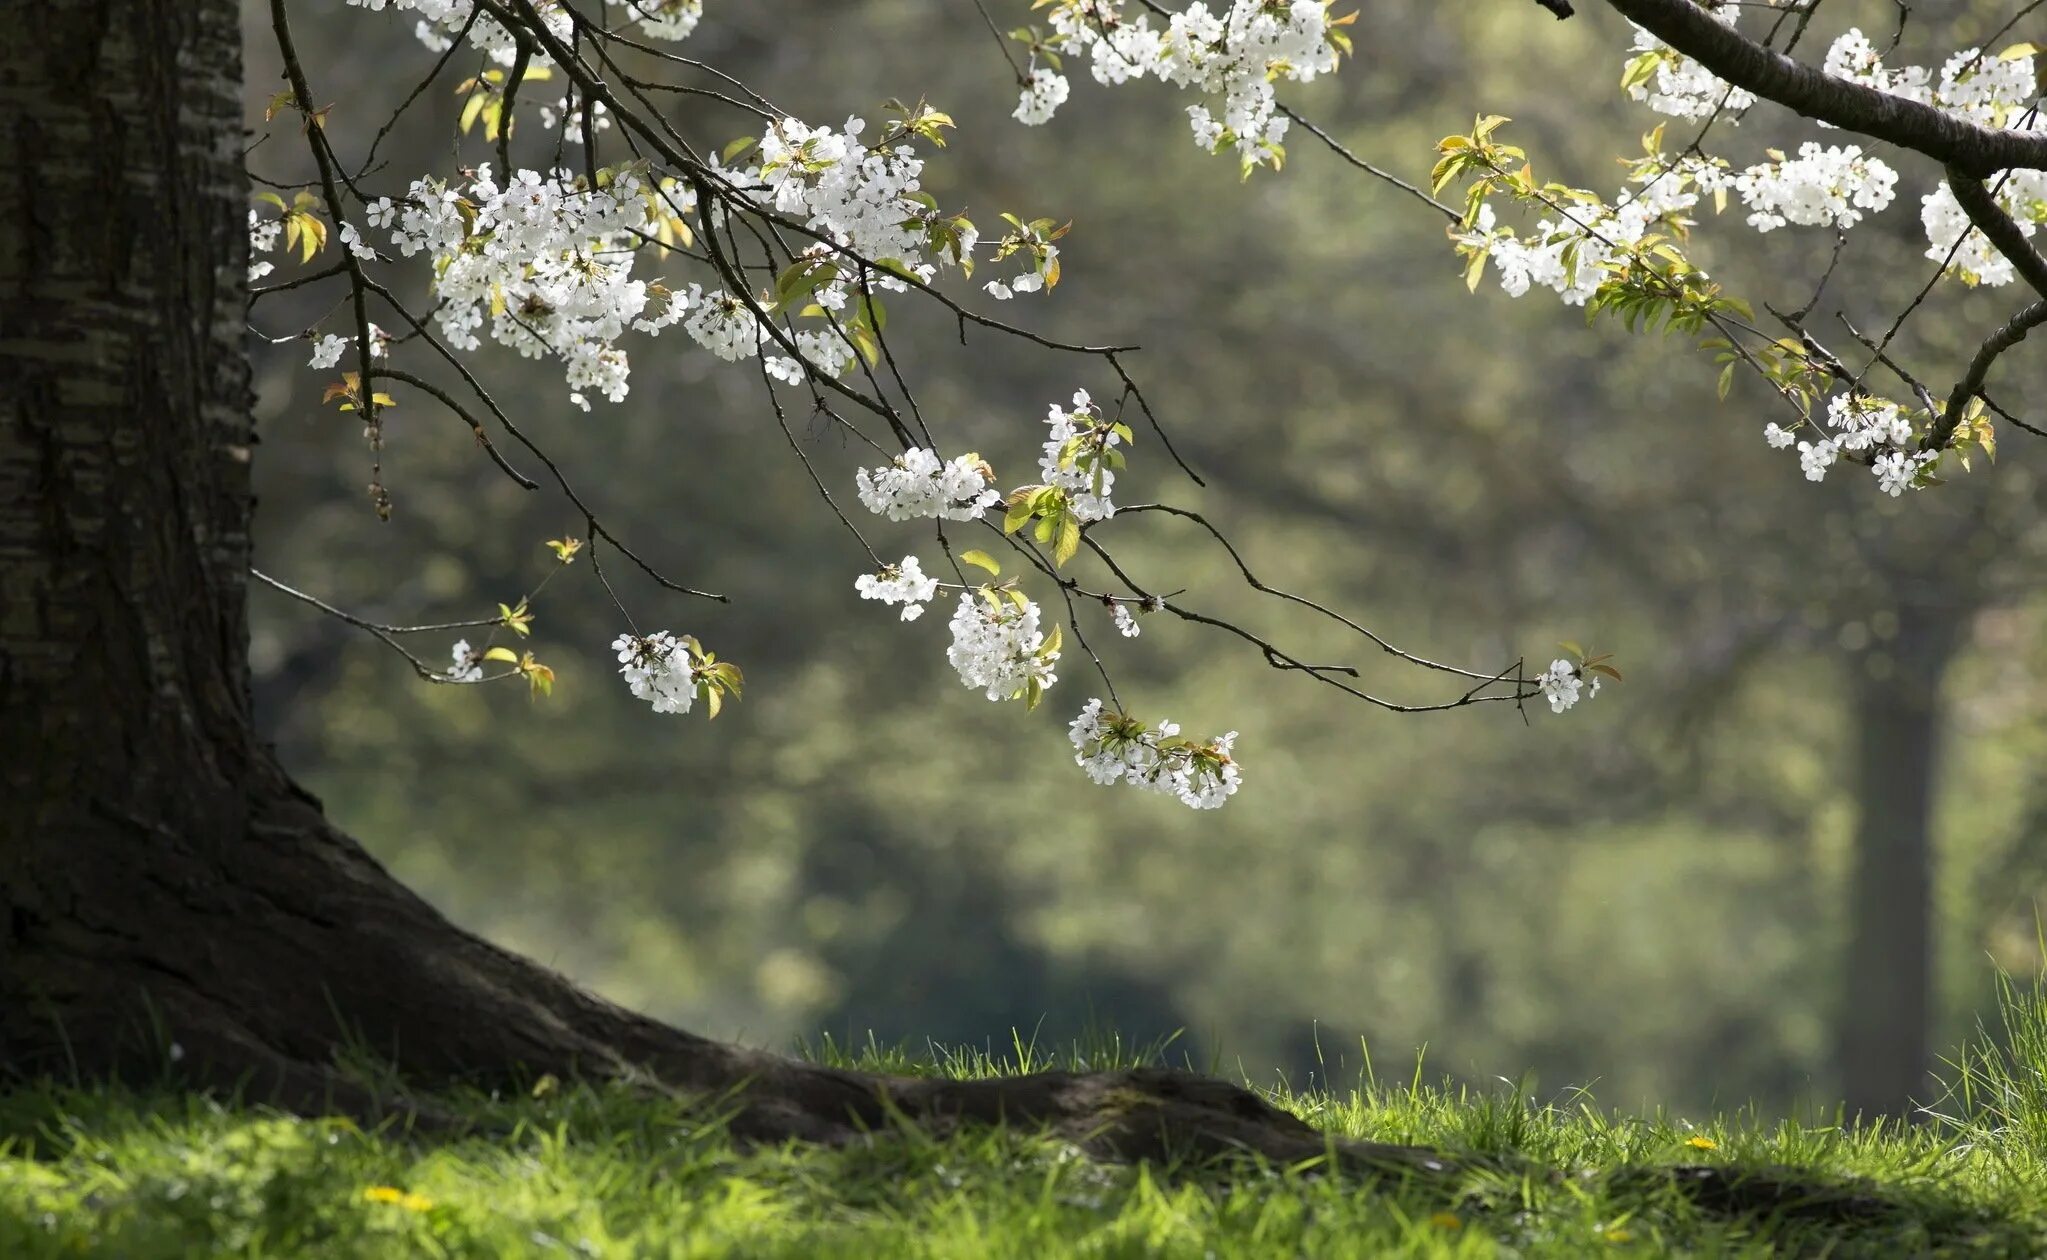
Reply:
x=1883, y=1046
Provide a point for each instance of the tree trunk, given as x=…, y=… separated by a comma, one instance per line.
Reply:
x=1883, y=1048
x=167, y=895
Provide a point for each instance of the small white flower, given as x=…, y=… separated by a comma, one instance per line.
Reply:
x=902, y=583
x=1898, y=471
x=918, y=486
x=657, y=669
x=468, y=666
x=1777, y=436
x=1814, y=458
x=1560, y=684
x=1044, y=94
x=998, y=648
x=1126, y=625
x=327, y=351
x=356, y=244
x=1116, y=748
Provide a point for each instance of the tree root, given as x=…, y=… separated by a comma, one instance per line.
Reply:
x=262, y=963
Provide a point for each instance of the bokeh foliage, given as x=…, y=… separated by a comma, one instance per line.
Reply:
x=1645, y=894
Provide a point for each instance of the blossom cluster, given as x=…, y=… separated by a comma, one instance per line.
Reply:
x=998, y=647
x=1835, y=186
x=1984, y=89
x=1564, y=684
x=1951, y=239
x=658, y=669
x=903, y=583
x=562, y=283
x=1080, y=457
x=855, y=195
x=1876, y=430
x=1117, y=748
x=1231, y=55
x=543, y=261
x=1830, y=186
x=440, y=22
x=919, y=485
x=1570, y=251
x=468, y=666
x=263, y=234
x=1672, y=83
x=327, y=351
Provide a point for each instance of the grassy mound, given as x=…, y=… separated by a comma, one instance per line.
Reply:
x=586, y=1171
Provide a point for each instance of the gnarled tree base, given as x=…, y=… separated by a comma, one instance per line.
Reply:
x=267, y=958
x=264, y=958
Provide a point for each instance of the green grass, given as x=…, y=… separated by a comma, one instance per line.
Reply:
x=605, y=1172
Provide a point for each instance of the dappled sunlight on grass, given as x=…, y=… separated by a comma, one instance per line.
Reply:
x=580, y=1170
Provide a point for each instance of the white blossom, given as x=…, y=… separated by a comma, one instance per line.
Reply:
x=903, y=583
x=1861, y=421
x=1777, y=436
x=1814, y=458
x=723, y=324
x=1681, y=87
x=1897, y=471
x=1075, y=457
x=1045, y=92
x=1114, y=748
x=263, y=235
x=1821, y=186
x=441, y=20
x=1230, y=55
x=543, y=263
x=657, y=669
x=1560, y=685
x=468, y=666
x=919, y=486
x=667, y=19
x=2023, y=196
x=997, y=646
x=327, y=351
x=355, y=243
x=1126, y=625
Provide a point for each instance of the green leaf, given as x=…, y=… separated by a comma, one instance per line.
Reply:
x=502, y=654
x=1068, y=541
x=981, y=560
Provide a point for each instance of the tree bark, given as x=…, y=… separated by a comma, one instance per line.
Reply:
x=1883, y=1048
x=167, y=894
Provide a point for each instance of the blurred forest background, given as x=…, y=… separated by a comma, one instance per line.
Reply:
x=1651, y=896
